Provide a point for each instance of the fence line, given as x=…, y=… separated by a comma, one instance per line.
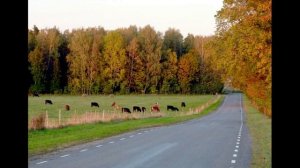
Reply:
x=106, y=116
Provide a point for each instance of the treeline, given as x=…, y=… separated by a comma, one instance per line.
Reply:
x=241, y=48
x=125, y=60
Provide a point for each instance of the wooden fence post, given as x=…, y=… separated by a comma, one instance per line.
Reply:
x=46, y=118
x=103, y=115
x=59, y=117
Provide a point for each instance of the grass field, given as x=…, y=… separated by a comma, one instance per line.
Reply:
x=260, y=130
x=40, y=141
x=80, y=105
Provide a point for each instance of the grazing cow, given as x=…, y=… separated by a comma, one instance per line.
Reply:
x=48, y=102
x=36, y=95
x=137, y=108
x=143, y=109
x=175, y=109
x=155, y=108
x=126, y=110
x=94, y=104
x=169, y=107
x=115, y=106
x=182, y=104
x=67, y=107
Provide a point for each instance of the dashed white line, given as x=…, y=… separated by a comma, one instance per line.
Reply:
x=238, y=139
x=65, y=155
x=234, y=155
x=131, y=136
x=139, y=133
x=99, y=146
x=111, y=142
x=236, y=150
x=83, y=150
x=42, y=162
x=233, y=161
x=122, y=139
x=237, y=143
x=237, y=146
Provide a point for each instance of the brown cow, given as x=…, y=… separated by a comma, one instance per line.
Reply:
x=115, y=106
x=155, y=108
x=67, y=107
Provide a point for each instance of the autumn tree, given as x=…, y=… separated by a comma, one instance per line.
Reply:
x=84, y=60
x=169, y=73
x=188, y=69
x=243, y=48
x=115, y=60
x=150, y=43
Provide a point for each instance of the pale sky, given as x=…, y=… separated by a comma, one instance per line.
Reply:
x=189, y=16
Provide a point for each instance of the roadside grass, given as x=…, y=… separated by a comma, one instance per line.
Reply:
x=41, y=141
x=260, y=130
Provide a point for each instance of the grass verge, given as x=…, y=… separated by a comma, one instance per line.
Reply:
x=42, y=141
x=260, y=130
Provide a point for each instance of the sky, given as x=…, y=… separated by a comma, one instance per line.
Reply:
x=189, y=16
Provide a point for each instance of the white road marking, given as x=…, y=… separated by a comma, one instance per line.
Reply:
x=131, y=136
x=99, y=146
x=236, y=150
x=238, y=139
x=145, y=131
x=139, y=133
x=65, y=155
x=83, y=150
x=237, y=143
x=237, y=146
x=122, y=139
x=111, y=142
x=234, y=155
x=232, y=161
x=42, y=162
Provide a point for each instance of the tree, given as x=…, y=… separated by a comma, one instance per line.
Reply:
x=172, y=40
x=244, y=37
x=188, y=68
x=169, y=73
x=150, y=44
x=115, y=59
x=84, y=60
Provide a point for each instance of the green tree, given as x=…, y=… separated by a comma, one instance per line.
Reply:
x=169, y=73
x=150, y=43
x=172, y=40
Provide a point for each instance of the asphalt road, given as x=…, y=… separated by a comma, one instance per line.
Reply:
x=218, y=140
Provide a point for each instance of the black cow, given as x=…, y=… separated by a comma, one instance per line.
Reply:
x=94, y=104
x=137, y=108
x=126, y=110
x=48, y=102
x=169, y=107
x=182, y=104
x=36, y=95
x=143, y=109
x=175, y=109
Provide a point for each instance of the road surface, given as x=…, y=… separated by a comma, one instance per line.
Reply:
x=218, y=140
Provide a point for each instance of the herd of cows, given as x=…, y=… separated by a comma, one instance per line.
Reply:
x=154, y=108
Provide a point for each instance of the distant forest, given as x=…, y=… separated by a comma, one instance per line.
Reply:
x=125, y=60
